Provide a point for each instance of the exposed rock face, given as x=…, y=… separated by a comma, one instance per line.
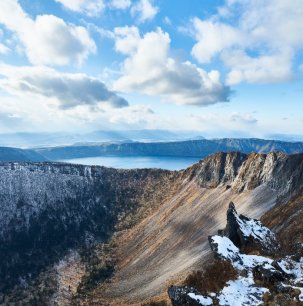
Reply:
x=247, y=232
x=280, y=171
x=49, y=208
x=260, y=279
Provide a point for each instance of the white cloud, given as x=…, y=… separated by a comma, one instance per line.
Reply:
x=258, y=45
x=212, y=37
x=88, y=7
x=126, y=39
x=66, y=90
x=144, y=10
x=157, y=73
x=48, y=40
x=262, y=69
x=246, y=118
x=120, y=4
x=93, y=8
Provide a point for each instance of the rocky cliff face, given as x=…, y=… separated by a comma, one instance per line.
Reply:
x=258, y=279
x=163, y=219
x=279, y=171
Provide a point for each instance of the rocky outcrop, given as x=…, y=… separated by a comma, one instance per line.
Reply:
x=279, y=171
x=260, y=278
x=249, y=233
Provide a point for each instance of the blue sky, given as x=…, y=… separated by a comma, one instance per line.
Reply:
x=224, y=68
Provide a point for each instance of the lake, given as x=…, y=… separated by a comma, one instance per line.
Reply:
x=132, y=162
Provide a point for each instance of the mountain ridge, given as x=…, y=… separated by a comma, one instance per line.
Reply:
x=160, y=220
x=192, y=148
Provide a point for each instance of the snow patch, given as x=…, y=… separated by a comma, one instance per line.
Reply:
x=291, y=267
x=241, y=291
x=227, y=250
x=201, y=299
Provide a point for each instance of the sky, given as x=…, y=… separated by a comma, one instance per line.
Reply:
x=223, y=68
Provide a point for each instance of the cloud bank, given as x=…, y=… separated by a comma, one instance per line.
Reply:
x=47, y=40
x=68, y=90
x=256, y=40
x=151, y=70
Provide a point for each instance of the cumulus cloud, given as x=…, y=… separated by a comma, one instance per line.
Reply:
x=212, y=37
x=157, y=73
x=93, y=8
x=120, y=4
x=144, y=10
x=68, y=90
x=47, y=40
x=126, y=39
x=89, y=7
x=261, y=69
x=257, y=45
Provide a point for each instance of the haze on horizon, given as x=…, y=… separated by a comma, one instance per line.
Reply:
x=223, y=68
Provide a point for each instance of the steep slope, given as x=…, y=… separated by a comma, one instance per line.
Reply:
x=47, y=209
x=14, y=154
x=286, y=221
x=194, y=148
x=173, y=240
x=160, y=221
x=254, y=270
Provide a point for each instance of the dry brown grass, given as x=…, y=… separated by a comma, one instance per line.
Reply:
x=282, y=299
x=286, y=220
x=160, y=303
x=213, y=278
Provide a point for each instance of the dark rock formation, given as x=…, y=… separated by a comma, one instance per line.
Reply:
x=179, y=296
x=260, y=278
x=268, y=275
x=249, y=233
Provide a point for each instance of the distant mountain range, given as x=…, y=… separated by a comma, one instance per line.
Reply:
x=192, y=148
x=69, y=138
x=15, y=154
